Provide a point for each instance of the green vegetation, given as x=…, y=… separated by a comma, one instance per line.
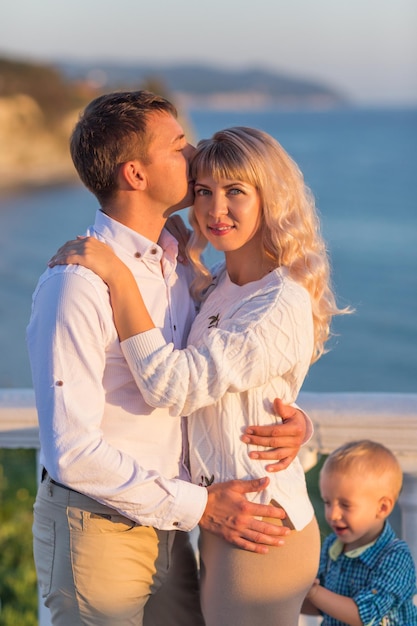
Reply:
x=312, y=479
x=18, y=592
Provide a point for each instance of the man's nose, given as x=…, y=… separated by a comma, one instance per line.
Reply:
x=189, y=151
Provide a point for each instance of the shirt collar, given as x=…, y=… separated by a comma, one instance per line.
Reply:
x=336, y=549
x=124, y=239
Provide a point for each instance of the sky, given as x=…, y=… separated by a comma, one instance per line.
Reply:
x=366, y=49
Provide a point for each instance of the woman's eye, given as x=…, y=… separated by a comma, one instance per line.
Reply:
x=201, y=192
x=235, y=191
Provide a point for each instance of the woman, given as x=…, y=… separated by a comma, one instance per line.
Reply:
x=265, y=316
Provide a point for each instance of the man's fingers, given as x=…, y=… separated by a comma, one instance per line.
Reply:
x=278, y=436
x=280, y=465
x=263, y=511
x=260, y=536
x=283, y=410
x=270, y=443
x=260, y=543
x=273, y=454
x=249, y=486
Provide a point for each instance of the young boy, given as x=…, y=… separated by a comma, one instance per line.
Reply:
x=366, y=575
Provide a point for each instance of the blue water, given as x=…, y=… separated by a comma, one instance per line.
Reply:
x=362, y=168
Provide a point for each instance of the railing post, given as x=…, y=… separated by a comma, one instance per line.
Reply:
x=408, y=505
x=44, y=614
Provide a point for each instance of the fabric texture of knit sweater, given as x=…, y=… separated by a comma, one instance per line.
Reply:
x=248, y=345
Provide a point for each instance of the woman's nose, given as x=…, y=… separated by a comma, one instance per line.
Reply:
x=218, y=207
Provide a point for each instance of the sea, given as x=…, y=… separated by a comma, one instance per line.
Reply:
x=361, y=165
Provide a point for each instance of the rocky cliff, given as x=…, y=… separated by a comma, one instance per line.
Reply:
x=32, y=152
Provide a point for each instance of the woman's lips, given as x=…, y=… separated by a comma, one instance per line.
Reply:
x=220, y=229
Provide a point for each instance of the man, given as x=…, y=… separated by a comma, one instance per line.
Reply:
x=115, y=490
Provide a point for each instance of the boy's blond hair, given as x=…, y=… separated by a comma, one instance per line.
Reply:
x=367, y=459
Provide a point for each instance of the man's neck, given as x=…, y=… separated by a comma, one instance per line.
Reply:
x=147, y=223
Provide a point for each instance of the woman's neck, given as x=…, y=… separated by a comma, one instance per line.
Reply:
x=248, y=268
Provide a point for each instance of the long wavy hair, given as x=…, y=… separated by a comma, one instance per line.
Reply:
x=290, y=225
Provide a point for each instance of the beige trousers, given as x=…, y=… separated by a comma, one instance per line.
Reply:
x=96, y=567
x=240, y=588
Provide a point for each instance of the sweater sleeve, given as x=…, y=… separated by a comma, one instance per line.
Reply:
x=267, y=337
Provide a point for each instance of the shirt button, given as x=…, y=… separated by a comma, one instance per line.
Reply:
x=59, y=383
x=154, y=251
x=175, y=524
x=137, y=255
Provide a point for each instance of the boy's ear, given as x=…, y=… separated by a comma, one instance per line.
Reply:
x=385, y=506
x=131, y=175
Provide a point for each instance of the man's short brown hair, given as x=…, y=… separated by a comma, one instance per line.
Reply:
x=112, y=130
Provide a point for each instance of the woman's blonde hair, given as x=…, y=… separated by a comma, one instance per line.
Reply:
x=290, y=226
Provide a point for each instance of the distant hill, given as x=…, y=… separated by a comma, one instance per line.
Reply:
x=46, y=84
x=39, y=105
x=208, y=86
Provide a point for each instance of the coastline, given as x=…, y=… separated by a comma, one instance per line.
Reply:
x=41, y=177
x=38, y=177
x=37, y=151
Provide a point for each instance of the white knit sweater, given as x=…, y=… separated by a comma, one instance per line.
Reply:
x=248, y=345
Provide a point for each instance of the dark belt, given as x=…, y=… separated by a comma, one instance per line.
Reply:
x=45, y=475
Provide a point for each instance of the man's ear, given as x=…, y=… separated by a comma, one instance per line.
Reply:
x=385, y=506
x=132, y=175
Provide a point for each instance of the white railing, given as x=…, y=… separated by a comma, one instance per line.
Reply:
x=388, y=418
